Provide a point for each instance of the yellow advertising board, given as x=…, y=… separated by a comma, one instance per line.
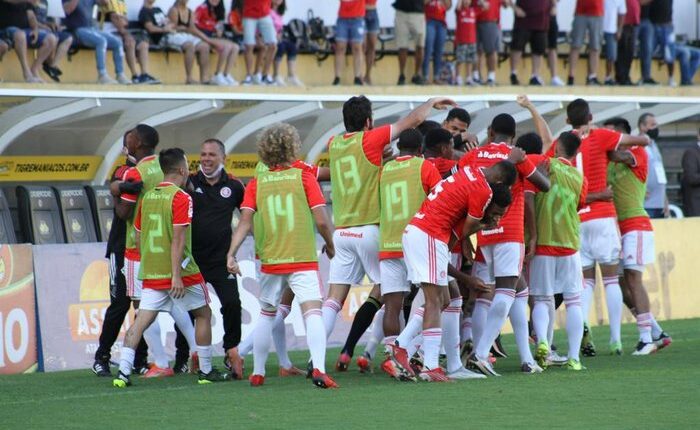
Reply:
x=22, y=168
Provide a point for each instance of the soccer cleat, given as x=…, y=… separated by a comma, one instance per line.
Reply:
x=416, y=363
x=554, y=359
x=400, y=358
x=343, y=362
x=645, y=348
x=531, y=368
x=442, y=361
x=616, y=348
x=587, y=345
x=321, y=380
x=390, y=369
x=121, y=381
x=213, y=376
x=181, y=366
x=434, y=375
x=256, y=380
x=482, y=366
x=141, y=369
x=541, y=353
x=462, y=374
x=101, y=368
x=663, y=340
x=466, y=351
x=497, y=348
x=309, y=369
x=364, y=362
x=572, y=364
x=235, y=363
x=159, y=372
x=290, y=371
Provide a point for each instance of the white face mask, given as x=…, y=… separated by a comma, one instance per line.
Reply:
x=216, y=172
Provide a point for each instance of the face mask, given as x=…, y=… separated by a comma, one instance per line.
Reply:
x=216, y=172
x=653, y=133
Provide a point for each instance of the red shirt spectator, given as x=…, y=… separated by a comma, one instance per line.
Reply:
x=435, y=10
x=256, y=9
x=350, y=9
x=491, y=13
x=466, y=26
x=634, y=10
x=537, y=13
x=205, y=19
x=590, y=7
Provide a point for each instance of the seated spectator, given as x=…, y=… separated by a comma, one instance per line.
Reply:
x=689, y=60
x=530, y=26
x=257, y=19
x=112, y=18
x=79, y=21
x=4, y=46
x=409, y=24
x=488, y=36
x=209, y=19
x=164, y=32
x=350, y=28
x=65, y=39
x=435, y=37
x=465, y=40
x=661, y=17
x=588, y=18
x=613, y=23
x=625, y=46
x=287, y=44
x=371, y=38
x=690, y=180
x=552, y=42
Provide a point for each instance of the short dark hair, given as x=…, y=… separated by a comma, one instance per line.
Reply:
x=578, y=112
x=147, y=135
x=427, y=125
x=643, y=118
x=218, y=143
x=501, y=195
x=619, y=123
x=503, y=125
x=437, y=137
x=531, y=143
x=170, y=159
x=460, y=114
x=356, y=111
x=569, y=142
x=410, y=140
x=507, y=171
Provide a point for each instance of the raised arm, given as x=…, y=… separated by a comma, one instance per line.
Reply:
x=419, y=114
x=628, y=140
x=541, y=126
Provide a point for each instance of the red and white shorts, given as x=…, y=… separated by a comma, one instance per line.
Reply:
x=134, y=286
x=306, y=286
x=196, y=296
x=637, y=250
x=394, y=275
x=426, y=257
x=550, y=275
x=501, y=260
x=356, y=255
x=600, y=242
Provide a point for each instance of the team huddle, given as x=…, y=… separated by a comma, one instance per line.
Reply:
x=544, y=212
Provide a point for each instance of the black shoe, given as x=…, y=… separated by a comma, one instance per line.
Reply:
x=53, y=72
x=140, y=369
x=490, y=82
x=402, y=80
x=514, y=79
x=181, y=366
x=592, y=81
x=137, y=79
x=150, y=80
x=649, y=81
x=535, y=81
x=610, y=82
x=497, y=348
x=309, y=369
x=626, y=83
x=417, y=80
x=101, y=368
x=213, y=376
x=358, y=81
x=336, y=81
x=570, y=81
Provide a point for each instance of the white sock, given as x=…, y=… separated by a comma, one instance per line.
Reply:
x=587, y=297
x=279, y=336
x=414, y=345
x=184, y=323
x=498, y=312
x=656, y=329
x=126, y=360
x=491, y=75
x=376, y=334
x=330, y=311
x=644, y=327
x=466, y=329
x=432, y=337
x=316, y=338
x=481, y=311
x=246, y=345
x=414, y=326
x=613, y=298
x=540, y=317
x=450, y=340
x=262, y=340
x=475, y=75
x=552, y=315
x=574, y=324
x=518, y=319
x=155, y=345
x=389, y=340
x=204, y=354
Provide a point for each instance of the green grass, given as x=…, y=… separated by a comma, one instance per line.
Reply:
x=659, y=391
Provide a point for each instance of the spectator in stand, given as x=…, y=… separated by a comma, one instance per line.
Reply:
x=409, y=25
x=661, y=17
x=209, y=19
x=286, y=44
x=646, y=43
x=689, y=60
x=656, y=203
x=465, y=40
x=552, y=42
x=488, y=36
x=350, y=28
x=613, y=21
x=625, y=46
x=530, y=26
x=4, y=45
x=235, y=20
x=690, y=181
x=257, y=19
x=435, y=37
x=371, y=38
x=64, y=39
x=112, y=18
x=18, y=20
x=588, y=18
x=78, y=20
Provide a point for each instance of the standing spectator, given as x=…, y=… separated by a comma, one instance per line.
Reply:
x=552, y=42
x=257, y=19
x=209, y=19
x=287, y=44
x=530, y=26
x=4, y=46
x=656, y=203
x=435, y=37
x=409, y=25
x=113, y=19
x=350, y=28
x=488, y=35
x=465, y=40
x=64, y=39
x=613, y=21
x=371, y=38
x=690, y=181
x=188, y=33
x=625, y=46
x=18, y=20
x=646, y=43
x=661, y=17
x=78, y=20
x=588, y=18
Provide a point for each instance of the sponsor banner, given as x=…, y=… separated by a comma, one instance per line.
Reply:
x=240, y=165
x=48, y=168
x=17, y=310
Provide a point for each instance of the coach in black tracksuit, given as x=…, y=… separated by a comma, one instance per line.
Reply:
x=215, y=195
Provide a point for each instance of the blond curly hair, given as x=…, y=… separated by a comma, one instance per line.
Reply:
x=279, y=144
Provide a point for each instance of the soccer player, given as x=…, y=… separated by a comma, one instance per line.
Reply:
x=439, y=150
x=169, y=273
x=289, y=202
x=556, y=265
x=355, y=163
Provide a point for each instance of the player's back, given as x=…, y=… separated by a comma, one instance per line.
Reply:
x=592, y=161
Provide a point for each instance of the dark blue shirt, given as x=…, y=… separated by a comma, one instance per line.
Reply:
x=81, y=16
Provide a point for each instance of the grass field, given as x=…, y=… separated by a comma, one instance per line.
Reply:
x=659, y=391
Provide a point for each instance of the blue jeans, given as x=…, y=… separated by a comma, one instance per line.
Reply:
x=665, y=39
x=435, y=37
x=102, y=41
x=646, y=47
x=689, y=59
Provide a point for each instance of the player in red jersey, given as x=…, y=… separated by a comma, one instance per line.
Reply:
x=439, y=150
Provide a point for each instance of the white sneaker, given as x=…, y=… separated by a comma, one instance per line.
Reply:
x=293, y=80
x=258, y=79
x=531, y=368
x=672, y=82
x=459, y=81
x=268, y=80
x=105, y=79
x=122, y=79
x=645, y=348
x=463, y=373
x=219, y=79
x=557, y=82
x=554, y=359
x=248, y=80
x=231, y=80
x=279, y=81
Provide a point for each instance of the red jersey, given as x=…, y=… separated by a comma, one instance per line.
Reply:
x=435, y=10
x=370, y=4
x=466, y=26
x=512, y=225
x=256, y=9
x=589, y=7
x=303, y=165
x=314, y=196
x=373, y=143
x=351, y=9
x=634, y=12
x=466, y=193
x=132, y=174
x=443, y=165
x=491, y=13
x=640, y=170
x=204, y=19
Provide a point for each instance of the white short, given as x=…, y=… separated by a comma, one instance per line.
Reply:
x=481, y=270
x=502, y=260
x=196, y=296
x=134, y=286
x=550, y=275
x=600, y=242
x=456, y=262
x=179, y=39
x=356, y=255
x=637, y=250
x=426, y=257
x=306, y=286
x=394, y=276
x=264, y=26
